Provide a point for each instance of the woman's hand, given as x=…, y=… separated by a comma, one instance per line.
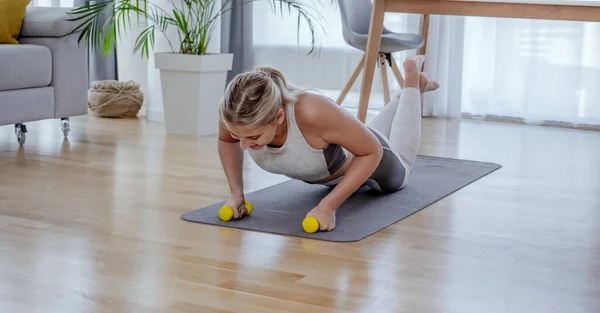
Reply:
x=237, y=203
x=232, y=159
x=325, y=215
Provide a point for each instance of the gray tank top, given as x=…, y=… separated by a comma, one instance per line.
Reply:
x=296, y=158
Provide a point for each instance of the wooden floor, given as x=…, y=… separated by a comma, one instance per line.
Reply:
x=92, y=225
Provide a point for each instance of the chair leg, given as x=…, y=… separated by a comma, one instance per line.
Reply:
x=359, y=67
x=384, y=79
x=397, y=73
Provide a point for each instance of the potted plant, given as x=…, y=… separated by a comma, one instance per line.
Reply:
x=192, y=80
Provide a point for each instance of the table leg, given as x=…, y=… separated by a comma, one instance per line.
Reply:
x=371, y=56
x=424, y=29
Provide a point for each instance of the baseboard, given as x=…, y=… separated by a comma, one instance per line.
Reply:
x=155, y=115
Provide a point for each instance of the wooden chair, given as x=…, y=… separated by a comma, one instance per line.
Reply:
x=356, y=18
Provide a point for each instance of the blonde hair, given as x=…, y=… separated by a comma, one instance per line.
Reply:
x=253, y=98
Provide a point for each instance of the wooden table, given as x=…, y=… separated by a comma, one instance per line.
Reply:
x=580, y=10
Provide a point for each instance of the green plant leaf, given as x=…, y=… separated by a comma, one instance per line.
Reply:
x=101, y=24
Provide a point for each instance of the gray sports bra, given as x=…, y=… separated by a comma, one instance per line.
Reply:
x=296, y=158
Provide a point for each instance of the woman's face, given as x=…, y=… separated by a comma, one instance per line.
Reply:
x=256, y=138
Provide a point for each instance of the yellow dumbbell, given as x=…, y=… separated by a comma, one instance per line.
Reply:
x=226, y=212
x=310, y=224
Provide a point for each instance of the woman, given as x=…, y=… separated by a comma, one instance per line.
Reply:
x=308, y=137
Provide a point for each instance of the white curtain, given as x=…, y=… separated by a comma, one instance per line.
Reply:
x=51, y=3
x=531, y=70
x=444, y=63
x=534, y=70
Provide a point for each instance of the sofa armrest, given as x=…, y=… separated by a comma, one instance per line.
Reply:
x=48, y=22
x=69, y=73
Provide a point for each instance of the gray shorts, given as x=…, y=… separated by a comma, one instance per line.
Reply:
x=390, y=174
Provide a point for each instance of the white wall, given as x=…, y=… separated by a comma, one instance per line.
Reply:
x=132, y=66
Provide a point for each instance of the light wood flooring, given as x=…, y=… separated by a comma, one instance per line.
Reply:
x=92, y=224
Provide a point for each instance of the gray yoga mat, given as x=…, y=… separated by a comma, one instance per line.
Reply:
x=281, y=208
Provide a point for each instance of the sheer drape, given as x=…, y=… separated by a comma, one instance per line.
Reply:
x=534, y=70
x=444, y=63
x=52, y=3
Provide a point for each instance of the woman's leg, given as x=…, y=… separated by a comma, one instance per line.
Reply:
x=400, y=123
x=384, y=120
x=405, y=131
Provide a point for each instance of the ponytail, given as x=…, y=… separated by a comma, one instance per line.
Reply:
x=253, y=98
x=287, y=92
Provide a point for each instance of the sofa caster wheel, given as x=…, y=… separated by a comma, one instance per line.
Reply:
x=65, y=126
x=21, y=132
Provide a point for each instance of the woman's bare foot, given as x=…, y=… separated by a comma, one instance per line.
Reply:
x=427, y=84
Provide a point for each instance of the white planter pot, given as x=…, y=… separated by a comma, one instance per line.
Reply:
x=192, y=86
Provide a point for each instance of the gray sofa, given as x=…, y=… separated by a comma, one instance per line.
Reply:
x=46, y=75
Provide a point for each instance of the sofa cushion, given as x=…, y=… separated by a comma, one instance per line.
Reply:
x=48, y=22
x=25, y=66
x=12, y=13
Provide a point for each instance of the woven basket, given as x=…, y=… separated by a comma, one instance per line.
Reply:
x=115, y=99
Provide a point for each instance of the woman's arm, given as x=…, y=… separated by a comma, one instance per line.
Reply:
x=335, y=125
x=232, y=159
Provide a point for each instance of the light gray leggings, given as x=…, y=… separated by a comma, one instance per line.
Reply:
x=398, y=128
x=400, y=123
